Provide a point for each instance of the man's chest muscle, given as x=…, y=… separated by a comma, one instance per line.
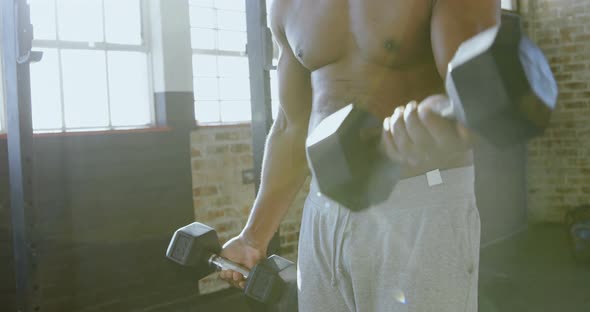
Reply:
x=386, y=32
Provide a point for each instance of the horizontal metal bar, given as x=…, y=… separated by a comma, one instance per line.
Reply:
x=220, y=52
x=54, y=44
x=82, y=129
x=214, y=8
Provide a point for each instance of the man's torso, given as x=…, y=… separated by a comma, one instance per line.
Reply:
x=374, y=53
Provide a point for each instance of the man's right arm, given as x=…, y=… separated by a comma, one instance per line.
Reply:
x=284, y=167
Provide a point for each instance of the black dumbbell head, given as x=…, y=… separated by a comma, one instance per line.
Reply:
x=272, y=280
x=343, y=156
x=501, y=85
x=193, y=245
x=288, y=274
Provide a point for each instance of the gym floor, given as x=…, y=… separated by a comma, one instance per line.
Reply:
x=533, y=271
x=226, y=300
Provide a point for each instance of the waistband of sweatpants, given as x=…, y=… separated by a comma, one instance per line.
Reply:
x=461, y=178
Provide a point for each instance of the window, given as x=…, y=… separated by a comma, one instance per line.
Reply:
x=509, y=5
x=2, y=103
x=95, y=68
x=220, y=65
x=2, y=98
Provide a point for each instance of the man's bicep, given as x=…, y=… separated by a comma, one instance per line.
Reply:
x=293, y=78
x=294, y=89
x=454, y=21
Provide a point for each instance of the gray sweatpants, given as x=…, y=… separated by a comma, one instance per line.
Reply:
x=417, y=252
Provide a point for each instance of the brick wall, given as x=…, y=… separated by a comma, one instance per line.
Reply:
x=558, y=166
x=219, y=156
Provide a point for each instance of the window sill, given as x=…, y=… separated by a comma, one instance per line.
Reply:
x=224, y=124
x=87, y=132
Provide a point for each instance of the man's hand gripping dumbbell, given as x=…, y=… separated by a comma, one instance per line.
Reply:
x=272, y=281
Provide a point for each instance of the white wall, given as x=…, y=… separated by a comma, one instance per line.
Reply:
x=171, y=45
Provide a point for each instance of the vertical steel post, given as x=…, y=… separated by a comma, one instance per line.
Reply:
x=17, y=36
x=259, y=79
x=260, y=59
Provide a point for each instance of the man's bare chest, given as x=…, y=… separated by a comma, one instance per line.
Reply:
x=391, y=33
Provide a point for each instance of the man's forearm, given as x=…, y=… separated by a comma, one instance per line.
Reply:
x=284, y=170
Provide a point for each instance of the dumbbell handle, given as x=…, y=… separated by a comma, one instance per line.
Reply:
x=224, y=264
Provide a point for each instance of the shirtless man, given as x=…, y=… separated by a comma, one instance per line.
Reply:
x=419, y=250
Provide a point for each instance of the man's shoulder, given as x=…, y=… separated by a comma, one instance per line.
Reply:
x=276, y=12
x=276, y=6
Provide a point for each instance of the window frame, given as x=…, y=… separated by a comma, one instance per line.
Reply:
x=143, y=47
x=514, y=5
x=219, y=53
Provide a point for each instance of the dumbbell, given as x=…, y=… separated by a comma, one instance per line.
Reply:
x=272, y=281
x=499, y=85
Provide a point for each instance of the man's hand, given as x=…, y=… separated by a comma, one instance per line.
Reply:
x=243, y=252
x=417, y=133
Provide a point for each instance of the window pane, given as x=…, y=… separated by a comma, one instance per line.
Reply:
x=45, y=92
x=232, y=41
x=2, y=107
x=275, y=106
x=233, y=66
x=206, y=89
x=275, y=53
x=80, y=20
x=2, y=97
x=202, y=17
x=43, y=19
x=85, y=89
x=274, y=93
x=234, y=89
x=123, y=21
x=274, y=85
x=207, y=111
x=508, y=4
x=231, y=20
x=203, y=3
x=128, y=89
x=204, y=65
x=238, y=5
x=203, y=38
x=236, y=111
